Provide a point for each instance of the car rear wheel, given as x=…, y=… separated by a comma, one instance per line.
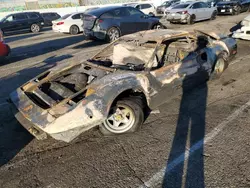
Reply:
x=213, y=16
x=191, y=19
x=237, y=10
x=125, y=116
x=113, y=34
x=35, y=28
x=74, y=30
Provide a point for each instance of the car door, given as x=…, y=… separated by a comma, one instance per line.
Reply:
x=121, y=18
x=197, y=10
x=187, y=71
x=141, y=20
x=8, y=24
x=206, y=10
x=77, y=21
x=21, y=21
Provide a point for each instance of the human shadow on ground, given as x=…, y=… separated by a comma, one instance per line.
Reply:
x=190, y=132
x=236, y=27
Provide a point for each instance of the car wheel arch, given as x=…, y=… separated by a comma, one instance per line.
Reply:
x=117, y=27
x=127, y=93
x=74, y=25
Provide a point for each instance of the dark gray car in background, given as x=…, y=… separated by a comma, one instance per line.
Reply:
x=109, y=23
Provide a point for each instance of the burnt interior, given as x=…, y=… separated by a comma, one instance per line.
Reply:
x=137, y=54
x=70, y=84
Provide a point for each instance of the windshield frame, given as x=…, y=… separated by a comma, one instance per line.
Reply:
x=65, y=17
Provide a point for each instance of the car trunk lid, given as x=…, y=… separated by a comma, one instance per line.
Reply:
x=89, y=21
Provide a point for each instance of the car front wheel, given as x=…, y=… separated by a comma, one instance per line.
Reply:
x=35, y=28
x=220, y=65
x=125, y=116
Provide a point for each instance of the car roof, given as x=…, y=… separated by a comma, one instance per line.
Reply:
x=98, y=12
x=156, y=35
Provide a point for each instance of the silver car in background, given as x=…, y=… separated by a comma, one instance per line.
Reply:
x=190, y=12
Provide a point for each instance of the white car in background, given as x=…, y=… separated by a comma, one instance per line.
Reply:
x=69, y=23
x=244, y=31
x=146, y=8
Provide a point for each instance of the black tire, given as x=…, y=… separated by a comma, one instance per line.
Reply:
x=35, y=28
x=113, y=34
x=74, y=30
x=158, y=26
x=213, y=16
x=220, y=66
x=136, y=110
x=191, y=19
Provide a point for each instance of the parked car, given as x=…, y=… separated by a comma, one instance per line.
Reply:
x=32, y=21
x=69, y=23
x=244, y=31
x=49, y=17
x=162, y=8
x=4, y=48
x=212, y=3
x=170, y=7
x=114, y=89
x=146, y=8
x=109, y=23
x=233, y=7
x=190, y=12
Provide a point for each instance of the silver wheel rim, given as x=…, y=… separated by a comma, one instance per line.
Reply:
x=121, y=119
x=114, y=34
x=157, y=27
x=35, y=28
x=219, y=67
x=74, y=30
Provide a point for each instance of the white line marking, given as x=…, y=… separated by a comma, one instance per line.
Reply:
x=157, y=178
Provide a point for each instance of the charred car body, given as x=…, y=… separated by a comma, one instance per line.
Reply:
x=113, y=89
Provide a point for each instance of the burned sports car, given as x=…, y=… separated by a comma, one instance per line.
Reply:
x=115, y=88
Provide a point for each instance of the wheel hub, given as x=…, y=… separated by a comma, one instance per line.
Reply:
x=121, y=120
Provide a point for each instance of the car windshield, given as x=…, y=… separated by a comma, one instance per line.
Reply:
x=166, y=3
x=181, y=6
x=133, y=55
x=65, y=16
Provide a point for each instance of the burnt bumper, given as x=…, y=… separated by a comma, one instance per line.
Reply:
x=31, y=128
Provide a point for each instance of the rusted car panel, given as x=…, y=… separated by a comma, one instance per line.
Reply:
x=72, y=98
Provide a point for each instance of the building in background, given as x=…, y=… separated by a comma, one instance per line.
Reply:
x=22, y=5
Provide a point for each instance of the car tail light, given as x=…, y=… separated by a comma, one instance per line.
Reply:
x=60, y=23
x=100, y=21
x=1, y=36
x=183, y=12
